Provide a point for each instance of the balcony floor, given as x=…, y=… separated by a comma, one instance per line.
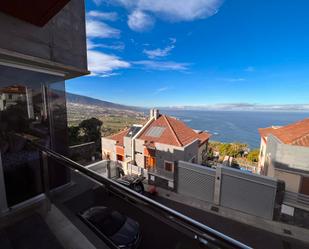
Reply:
x=30, y=232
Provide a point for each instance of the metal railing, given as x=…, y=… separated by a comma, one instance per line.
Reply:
x=198, y=231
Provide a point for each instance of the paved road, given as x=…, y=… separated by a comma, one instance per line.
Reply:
x=254, y=237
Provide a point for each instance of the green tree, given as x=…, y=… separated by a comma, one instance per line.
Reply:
x=253, y=155
x=232, y=149
x=74, y=135
x=91, y=128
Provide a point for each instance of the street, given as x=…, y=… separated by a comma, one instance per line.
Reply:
x=254, y=237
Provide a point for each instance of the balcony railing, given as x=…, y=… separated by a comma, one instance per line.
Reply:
x=198, y=233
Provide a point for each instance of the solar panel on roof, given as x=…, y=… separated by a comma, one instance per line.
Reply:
x=155, y=131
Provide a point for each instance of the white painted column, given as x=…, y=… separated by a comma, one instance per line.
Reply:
x=3, y=201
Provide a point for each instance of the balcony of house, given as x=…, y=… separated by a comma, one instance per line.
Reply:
x=54, y=218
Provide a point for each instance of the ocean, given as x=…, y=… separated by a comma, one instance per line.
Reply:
x=235, y=126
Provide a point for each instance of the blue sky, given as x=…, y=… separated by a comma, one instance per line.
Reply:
x=197, y=52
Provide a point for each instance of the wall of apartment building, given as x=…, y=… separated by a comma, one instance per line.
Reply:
x=62, y=39
x=229, y=188
x=109, y=146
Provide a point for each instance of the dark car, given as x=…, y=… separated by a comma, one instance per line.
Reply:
x=121, y=230
x=132, y=182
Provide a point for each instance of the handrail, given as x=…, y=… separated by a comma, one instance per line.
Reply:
x=203, y=233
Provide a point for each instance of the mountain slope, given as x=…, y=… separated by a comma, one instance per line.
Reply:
x=84, y=100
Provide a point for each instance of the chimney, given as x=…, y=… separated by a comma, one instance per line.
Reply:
x=154, y=113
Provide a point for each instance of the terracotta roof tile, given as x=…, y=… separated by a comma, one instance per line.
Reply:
x=175, y=132
x=119, y=137
x=295, y=134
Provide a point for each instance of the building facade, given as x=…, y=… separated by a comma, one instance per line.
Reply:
x=157, y=146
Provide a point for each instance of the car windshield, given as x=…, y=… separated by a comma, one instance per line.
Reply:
x=111, y=223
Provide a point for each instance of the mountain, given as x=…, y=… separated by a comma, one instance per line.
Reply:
x=84, y=100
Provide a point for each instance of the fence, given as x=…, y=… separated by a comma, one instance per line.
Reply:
x=134, y=170
x=230, y=188
x=196, y=180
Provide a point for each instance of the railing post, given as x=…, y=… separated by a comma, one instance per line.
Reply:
x=46, y=179
x=217, y=190
x=3, y=200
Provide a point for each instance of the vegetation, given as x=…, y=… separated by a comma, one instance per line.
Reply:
x=88, y=130
x=217, y=151
x=253, y=156
x=227, y=149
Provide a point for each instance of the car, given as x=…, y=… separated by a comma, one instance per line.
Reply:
x=133, y=182
x=120, y=230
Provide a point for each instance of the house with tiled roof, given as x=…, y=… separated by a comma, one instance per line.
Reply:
x=157, y=146
x=284, y=154
x=10, y=95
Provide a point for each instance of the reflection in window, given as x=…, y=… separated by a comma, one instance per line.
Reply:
x=24, y=108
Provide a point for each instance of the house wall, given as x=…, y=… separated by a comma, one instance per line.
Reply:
x=292, y=181
x=262, y=155
x=127, y=142
x=200, y=153
x=287, y=162
x=62, y=39
x=191, y=150
x=110, y=146
x=139, y=153
x=166, y=152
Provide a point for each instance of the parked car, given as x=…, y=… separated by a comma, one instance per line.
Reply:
x=133, y=182
x=117, y=228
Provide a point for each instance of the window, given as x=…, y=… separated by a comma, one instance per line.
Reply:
x=169, y=166
x=150, y=162
x=120, y=157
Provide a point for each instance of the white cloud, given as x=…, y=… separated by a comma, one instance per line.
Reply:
x=140, y=21
x=181, y=10
x=155, y=53
x=114, y=46
x=162, y=65
x=171, y=10
x=98, y=29
x=108, y=16
x=103, y=65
